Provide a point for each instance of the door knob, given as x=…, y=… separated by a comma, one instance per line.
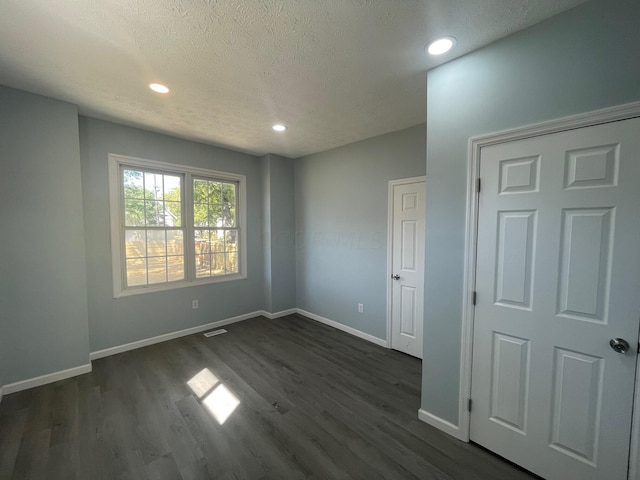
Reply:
x=395, y=277
x=619, y=345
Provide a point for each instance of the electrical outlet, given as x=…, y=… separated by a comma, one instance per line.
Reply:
x=194, y=304
x=360, y=308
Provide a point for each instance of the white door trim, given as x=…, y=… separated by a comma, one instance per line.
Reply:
x=606, y=115
x=392, y=184
x=634, y=453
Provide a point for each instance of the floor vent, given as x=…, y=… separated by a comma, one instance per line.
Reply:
x=213, y=333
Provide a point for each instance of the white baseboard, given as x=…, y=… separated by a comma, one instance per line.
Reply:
x=170, y=336
x=44, y=379
x=440, y=424
x=344, y=328
x=283, y=313
x=54, y=377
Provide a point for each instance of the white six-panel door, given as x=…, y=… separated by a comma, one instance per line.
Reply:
x=407, y=265
x=557, y=277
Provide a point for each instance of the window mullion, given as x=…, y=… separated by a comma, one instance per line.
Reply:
x=123, y=229
x=187, y=218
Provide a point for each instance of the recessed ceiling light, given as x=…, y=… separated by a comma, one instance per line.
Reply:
x=278, y=127
x=159, y=88
x=441, y=45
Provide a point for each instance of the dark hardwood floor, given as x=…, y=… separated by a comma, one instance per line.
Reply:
x=314, y=403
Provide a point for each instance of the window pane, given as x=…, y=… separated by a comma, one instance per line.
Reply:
x=175, y=268
x=172, y=188
x=172, y=214
x=134, y=213
x=228, y=217
x=201, y=238
x=175, y=242
x=156, y=244
x=230, y=204
x=216, y=252
x=202, y=250
x=229, y=193
x=215, y=192
x=133, y=185
x=217, y=267
x=231, y=240
x=217, y=241
x=135, y=243
x=200, y=194
x=232, y=262
x=215, y=215
x=152, y=199
x=200, y=212
x=203, y=265
x=154, y=213
x=136, y=272
x=154, y=256
x=157, y=270
x=153, y=185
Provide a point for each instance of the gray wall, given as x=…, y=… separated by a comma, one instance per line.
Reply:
x=282, y=233
x=3, y=334
x=278, y=233
x=582, y=60
x=265, y=174
x=3, y=359
x=114, y=322
x=341, y=226
x=43, y=296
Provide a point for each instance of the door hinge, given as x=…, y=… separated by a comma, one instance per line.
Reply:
x=469, y=404
x=474, y=297
x=478, y=186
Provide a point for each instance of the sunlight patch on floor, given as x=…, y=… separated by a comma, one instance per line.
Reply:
x=221, y=402
x=202, y=382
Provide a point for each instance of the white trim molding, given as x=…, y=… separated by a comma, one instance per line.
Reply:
x=606, y=115
x=392, y=184
x=44, y=379
x=339, y=326
x=72, y=372
x=170, y=336
x=283, y=313
x=440, y=424
x=634, y=452
x=201, y=328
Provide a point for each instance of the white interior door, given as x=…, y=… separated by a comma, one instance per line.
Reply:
x=407, y=265
x=557, y=277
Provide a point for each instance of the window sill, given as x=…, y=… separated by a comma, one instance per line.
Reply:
x=177, y=285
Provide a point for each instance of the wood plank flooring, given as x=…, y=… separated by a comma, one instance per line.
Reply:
x=315, y=403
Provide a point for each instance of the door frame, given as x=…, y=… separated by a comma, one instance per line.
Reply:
x=597, y=117
x=392, y=184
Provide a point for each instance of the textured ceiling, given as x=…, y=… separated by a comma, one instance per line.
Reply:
x=334, y=71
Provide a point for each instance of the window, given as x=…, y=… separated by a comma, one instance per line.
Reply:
x=152, y=229
x=216, y=234
x=174, y=226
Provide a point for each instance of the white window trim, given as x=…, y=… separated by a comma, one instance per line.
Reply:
x=117, y=247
